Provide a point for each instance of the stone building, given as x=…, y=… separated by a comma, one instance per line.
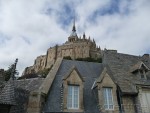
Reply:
x=75, y=47
x=120, y=84
x=131, y=74
x=14, y=96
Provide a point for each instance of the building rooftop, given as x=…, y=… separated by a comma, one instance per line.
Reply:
x=89, y=72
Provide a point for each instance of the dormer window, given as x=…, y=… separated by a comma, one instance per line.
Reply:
x=107, y=93
x=73, y=91
x=140, y=70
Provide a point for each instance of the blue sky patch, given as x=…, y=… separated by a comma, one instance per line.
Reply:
x=26, y=40
x=3, y=39
x=110, y=9
x=66, y=15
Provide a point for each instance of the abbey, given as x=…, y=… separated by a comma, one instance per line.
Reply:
x=118, y=84
x=75, y=47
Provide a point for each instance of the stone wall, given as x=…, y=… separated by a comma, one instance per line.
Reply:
x=36, y=102
x=80, y=48
x=128, y=104
x=39, y=63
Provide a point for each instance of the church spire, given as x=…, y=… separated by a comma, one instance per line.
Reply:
x=74, y=27
x=73, y=34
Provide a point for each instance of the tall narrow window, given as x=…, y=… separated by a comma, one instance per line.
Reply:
x=108, y=99
x=73, y=97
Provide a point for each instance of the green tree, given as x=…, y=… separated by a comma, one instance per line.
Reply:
x=11, y=71
x=8, y=72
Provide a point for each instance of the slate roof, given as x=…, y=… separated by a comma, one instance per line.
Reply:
x=16, y=93
x=2, y=80
x=29, y=84
x=7, y=95
x=121, y=66
x=89, y=72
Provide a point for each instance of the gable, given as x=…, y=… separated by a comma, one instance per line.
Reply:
x=143, y=66
x=105, y=77
x=73, y=75
x=107, y=80
x=138, y=66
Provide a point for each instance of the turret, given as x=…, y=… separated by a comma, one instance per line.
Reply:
x=93, y=41
x=89, y=38
x=80, y=37
x=84, y=35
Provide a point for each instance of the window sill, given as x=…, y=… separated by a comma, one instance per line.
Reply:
x=73, y=110
x=109, y=109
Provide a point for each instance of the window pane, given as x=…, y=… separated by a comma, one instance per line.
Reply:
x=73, y=97
x=110, y=106
x=106, y=106
x=108, y=100
x=105, y=96
x=69, y=98
x=76, y=91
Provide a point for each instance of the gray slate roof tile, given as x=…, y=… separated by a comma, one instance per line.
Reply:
x=7, y=95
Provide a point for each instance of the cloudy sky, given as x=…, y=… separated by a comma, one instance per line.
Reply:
x=29, y=27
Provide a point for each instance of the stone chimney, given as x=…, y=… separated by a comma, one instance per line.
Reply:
x=146, y=58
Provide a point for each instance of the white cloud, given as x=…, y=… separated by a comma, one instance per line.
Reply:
x=29, y=27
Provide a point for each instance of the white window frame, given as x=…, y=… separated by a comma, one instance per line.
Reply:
x=106, y=97
x=73, y=97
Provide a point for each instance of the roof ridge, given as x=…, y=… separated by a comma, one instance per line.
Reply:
x=45, y=87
